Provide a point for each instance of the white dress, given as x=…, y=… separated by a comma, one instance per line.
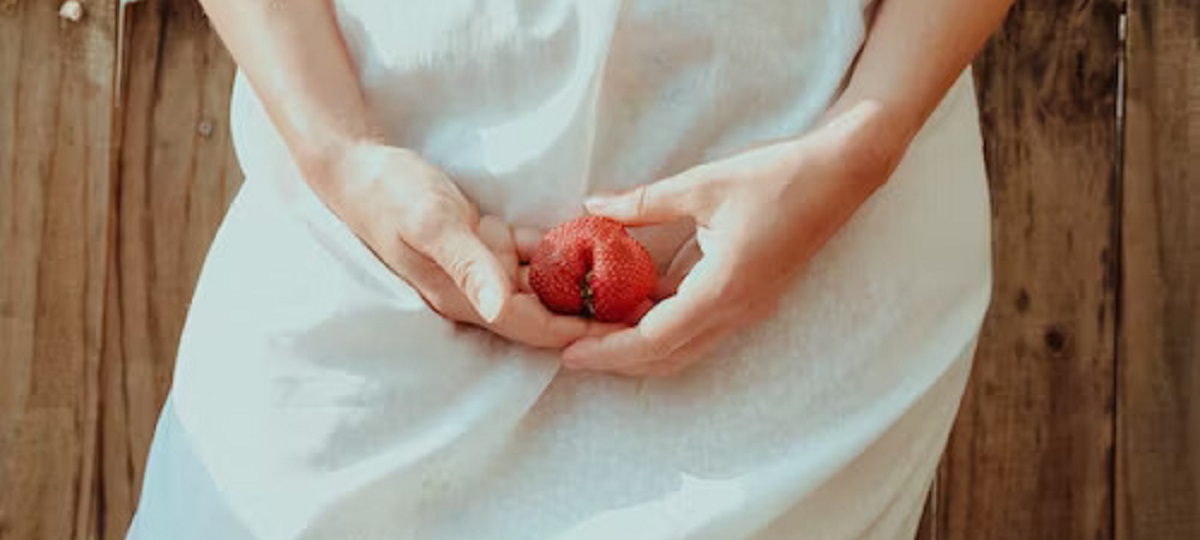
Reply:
x=317, y=397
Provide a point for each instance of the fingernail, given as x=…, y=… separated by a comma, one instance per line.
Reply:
x=595, y=203
x=490, y=300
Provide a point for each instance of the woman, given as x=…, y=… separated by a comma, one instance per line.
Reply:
x=362, y=359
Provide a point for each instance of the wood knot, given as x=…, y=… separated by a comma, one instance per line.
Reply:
x=71, y=10
x=1023, y=301
x=1055, y=339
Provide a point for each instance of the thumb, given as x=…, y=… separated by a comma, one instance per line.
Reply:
x=475, y=270
x=659, y=202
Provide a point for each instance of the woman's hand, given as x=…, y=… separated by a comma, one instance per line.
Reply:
x=465, y=267
x=405, y=209
x=759, y=217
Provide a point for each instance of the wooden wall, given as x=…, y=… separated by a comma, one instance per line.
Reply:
x=1157, y=473
x=177, y=175
x=56, y=183
x=1031, y=455
x=1082, y=419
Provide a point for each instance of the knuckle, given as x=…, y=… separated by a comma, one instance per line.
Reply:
x=659, y=348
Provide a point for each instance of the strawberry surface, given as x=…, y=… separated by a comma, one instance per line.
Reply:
x=592, y=267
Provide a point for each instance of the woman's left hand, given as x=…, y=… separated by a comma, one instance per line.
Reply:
x=759, y=217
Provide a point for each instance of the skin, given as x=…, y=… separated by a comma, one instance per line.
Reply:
x=761, y=215
x=401, y=206
x=788, y=197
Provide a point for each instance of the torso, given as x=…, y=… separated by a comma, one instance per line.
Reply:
x=386, y=422
x=531, y=104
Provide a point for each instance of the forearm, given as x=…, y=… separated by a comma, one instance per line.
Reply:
x=293, y=54
x=914, y=52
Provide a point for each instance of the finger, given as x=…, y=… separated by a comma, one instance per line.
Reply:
x=527, y=240
x=679, y=361
x=627, y=348
x=434, y=286
x=685, y=259
x=659, y=202
x=666, y=328
x=475, y=270
x=671, y=324
x=523, y=284
x=498, y=237
x=640, y=312
x=525, y=320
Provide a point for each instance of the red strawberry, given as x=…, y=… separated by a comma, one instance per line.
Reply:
x=591, y=266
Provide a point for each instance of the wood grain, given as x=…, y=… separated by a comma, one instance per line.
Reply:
x=1031, y=452
x=177, y=175
x=1158, y=482
x=55, y=201
x=1092, y=340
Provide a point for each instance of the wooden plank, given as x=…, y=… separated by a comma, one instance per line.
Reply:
x=1158, y=482
x=1031, y=453
x=55, y=195
x=177, y=175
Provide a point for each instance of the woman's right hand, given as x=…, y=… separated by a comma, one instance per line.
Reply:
x=421, y=225
x=405, y=209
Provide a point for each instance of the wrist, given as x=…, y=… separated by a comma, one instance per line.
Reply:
x=335, y=167
x=359, y=183
x=323, y=139
x=868, y=138
x=326, y=160
x=348, y=181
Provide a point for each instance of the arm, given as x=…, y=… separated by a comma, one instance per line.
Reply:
x=405, y=209
x=914, y=52
x=293, y=54
x=762, y=214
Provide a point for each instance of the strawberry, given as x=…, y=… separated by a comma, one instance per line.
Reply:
x=592, y=267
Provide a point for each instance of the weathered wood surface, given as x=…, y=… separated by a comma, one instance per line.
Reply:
x=1030, y=457
x=55, y=206
x=1158, y=423
x=177, y=175
x=1090, y=342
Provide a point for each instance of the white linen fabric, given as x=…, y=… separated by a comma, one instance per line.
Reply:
x=317, y=397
